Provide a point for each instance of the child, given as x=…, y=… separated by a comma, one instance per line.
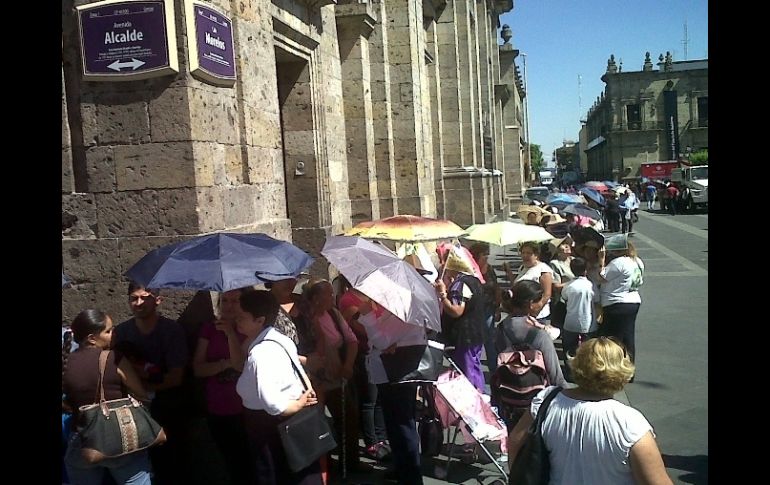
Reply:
x=579, y=295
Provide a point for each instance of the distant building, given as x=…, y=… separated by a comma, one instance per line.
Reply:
x=648, y=115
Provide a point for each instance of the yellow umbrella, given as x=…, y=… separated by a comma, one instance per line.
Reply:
x=407, y=228
x=523, y=212
x=505, y=233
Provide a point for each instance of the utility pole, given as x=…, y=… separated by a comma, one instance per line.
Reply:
x=526, y=115
x=686, y=40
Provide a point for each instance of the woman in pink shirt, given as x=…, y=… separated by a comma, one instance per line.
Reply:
x=219, y=358
x=338, y=346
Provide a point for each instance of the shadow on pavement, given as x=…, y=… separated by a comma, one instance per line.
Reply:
x=697, y=467
x=654, y=385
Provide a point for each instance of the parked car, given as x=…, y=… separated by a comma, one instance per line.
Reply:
x=535, y=194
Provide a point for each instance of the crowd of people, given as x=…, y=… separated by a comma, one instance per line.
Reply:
x=270, y=353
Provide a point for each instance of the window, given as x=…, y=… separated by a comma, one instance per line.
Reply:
x=703, y=111
x=634, y=117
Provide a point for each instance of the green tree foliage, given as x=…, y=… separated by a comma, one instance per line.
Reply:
x=536, y=157
x=700, y=157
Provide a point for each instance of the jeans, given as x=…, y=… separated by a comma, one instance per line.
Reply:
x=372, y=419
x=398, y=405
x=132, y=469
x=620, y=322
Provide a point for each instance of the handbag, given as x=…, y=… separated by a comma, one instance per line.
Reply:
x=414, y=362
x=109, y=429
x=305, y=435
x=531, y=465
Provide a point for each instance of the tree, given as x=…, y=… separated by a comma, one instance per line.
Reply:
x=536, y=157
x=700, y=157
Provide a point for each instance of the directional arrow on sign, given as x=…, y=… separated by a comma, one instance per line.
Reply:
x=134, y=64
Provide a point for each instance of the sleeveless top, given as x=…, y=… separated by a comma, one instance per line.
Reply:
x=81, y=379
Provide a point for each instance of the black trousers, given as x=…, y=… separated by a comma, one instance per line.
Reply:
x=267, y=455
x=170, y=461
x=613, y=221
x=620, y=322
x=398, y=405
x=230, y=437
x=370, y=406
x=334, y=401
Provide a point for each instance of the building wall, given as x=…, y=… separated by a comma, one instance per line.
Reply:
x=629, y=143
x=342, y=111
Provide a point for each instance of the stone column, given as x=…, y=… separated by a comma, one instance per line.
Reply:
x=510, y=96
x=355, y=22
x=406, y=52
x=436, y=103
x=379, y=59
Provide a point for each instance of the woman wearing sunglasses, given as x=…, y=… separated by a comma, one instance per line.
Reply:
x=591, y=437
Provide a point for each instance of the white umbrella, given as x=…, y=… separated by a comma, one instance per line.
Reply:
x=393, y=283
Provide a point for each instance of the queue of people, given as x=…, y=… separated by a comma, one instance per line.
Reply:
x=270, y=354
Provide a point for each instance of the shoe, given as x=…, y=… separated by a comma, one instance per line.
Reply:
x=379, y=451
x=552, y=331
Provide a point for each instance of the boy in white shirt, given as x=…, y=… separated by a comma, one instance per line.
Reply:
x=580, y=295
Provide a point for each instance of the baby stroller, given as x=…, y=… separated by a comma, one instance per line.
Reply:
x=460, y=405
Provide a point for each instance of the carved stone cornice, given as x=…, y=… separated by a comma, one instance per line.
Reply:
x=358, y=18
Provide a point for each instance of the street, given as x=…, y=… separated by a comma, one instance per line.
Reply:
x=671, y=384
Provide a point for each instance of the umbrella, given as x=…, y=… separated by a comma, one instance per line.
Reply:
x=393, y=283
x=65, y=281
x=598, y=186
x=583, y=210
x=593, y=195
x=505, y=233
x=524, y=210
x=219, y=262
x=562, y=199
x=407, y=228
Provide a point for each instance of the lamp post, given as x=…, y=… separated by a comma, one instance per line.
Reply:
x=526, y=115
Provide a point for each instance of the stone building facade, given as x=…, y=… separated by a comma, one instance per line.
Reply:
x=342, y=111
x=646, y=116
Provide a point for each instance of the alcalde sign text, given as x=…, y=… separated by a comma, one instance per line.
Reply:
x=125, y=40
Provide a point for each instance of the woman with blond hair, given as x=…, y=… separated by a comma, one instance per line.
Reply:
x=591, y=437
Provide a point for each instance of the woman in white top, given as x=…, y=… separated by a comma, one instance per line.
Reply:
x=532, y=269
x=590, y=437
x=272, y=390
x=619, y=291
x=562, y=274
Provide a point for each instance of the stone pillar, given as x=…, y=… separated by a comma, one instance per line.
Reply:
x=406, y=52
x=437, y=113
x=381, y=110
x=466, y=47
x=355, y=22
x=511, y=95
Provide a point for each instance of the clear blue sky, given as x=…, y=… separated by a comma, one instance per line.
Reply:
x=567, y=38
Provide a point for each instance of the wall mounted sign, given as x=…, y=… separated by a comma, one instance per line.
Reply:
x=210, y=44
x=126, y=40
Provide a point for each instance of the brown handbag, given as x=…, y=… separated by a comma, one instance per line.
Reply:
x=109, y=429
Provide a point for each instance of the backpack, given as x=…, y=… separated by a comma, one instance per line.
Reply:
x=520, y=375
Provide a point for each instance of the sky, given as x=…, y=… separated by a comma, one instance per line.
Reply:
x=564, y=39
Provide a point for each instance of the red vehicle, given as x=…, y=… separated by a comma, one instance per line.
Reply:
x=659, y=170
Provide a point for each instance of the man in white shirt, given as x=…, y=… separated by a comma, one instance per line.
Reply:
x=580, y=321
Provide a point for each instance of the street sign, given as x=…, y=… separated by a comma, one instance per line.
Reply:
x=126, y=40
x=210, y=44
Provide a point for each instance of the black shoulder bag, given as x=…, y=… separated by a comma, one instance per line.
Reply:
x=305, y=435
x=531, y=465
